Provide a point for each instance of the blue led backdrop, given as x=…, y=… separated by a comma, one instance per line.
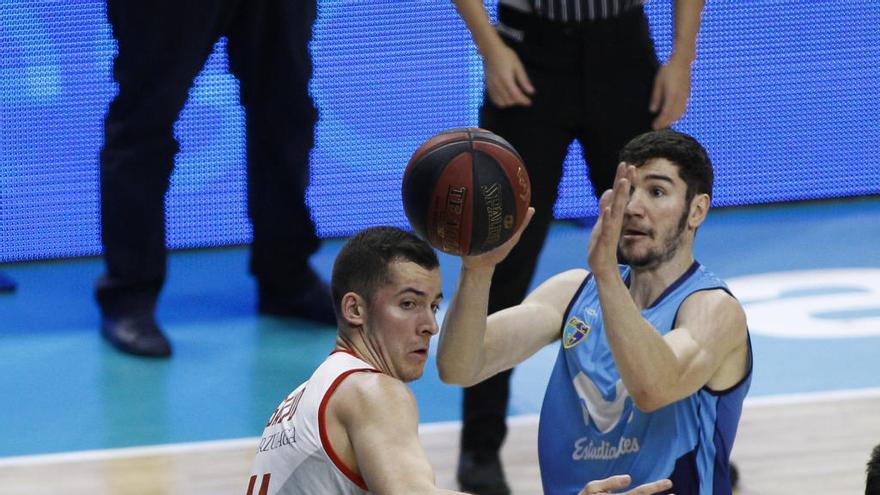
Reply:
x=786, y=98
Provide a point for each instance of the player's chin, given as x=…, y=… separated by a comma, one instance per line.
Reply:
x=415, y=366
x=625, y=253
x=413, y=374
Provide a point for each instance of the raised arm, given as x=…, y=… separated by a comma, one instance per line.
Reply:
x=707, y=347
x=379, y=417
x=474, y=347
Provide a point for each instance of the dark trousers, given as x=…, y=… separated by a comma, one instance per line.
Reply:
x=592, y=83
x=162, y=46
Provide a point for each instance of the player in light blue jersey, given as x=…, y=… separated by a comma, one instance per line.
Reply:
x=654, y=355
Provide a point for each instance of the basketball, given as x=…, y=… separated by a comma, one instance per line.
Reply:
x=466, y=191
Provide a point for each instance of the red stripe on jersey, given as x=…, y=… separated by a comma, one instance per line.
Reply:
x=322, y=426
x=345, y=351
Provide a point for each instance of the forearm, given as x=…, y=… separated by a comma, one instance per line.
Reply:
x=643, y=358
x=475, y=17
x=462, y=350
x=688, y=14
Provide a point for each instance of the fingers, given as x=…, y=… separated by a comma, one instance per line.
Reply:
x=619, y=173
x=605, y=200
x=656, y=95
x=518, y=97
x=671, y=104
x=603, y=486
x=672, y=111
x=660, y=122
x=529, y=214
x=507, y=82
x=622, y=183
x=523, y=81
x=612, y=204
x=650, y=488
x=669, y=96
x=660, y=106
x=495, y=256
x=506, y=92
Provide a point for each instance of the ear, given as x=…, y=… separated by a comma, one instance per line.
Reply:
x=353, y=309
x=699, y=210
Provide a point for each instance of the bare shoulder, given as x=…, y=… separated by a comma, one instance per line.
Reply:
x=377, y=434
x=713, y=304
x=717, y=321
x=372, y=395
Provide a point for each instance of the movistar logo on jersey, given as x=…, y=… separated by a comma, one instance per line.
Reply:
x=575, y=331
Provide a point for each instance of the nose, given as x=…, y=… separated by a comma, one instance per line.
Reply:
x=430, y=325
x=635, y=206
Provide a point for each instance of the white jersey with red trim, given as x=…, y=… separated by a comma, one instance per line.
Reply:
x=295, y=456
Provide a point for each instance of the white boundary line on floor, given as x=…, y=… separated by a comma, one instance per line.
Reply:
x=427, y=428
x=130, y=452
x=811, y=397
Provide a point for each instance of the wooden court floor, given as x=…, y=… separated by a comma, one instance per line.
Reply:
x=804, y=444
x=84, y=396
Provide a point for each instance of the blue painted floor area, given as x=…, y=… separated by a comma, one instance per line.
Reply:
x=63, y=389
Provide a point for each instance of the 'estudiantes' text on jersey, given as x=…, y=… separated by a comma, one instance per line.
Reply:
x=295, y=456
x=590, y=429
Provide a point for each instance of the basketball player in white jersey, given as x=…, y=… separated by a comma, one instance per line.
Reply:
x=352, y=428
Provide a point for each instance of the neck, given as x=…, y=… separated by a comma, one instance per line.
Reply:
x=354, y=341
x=647, y=284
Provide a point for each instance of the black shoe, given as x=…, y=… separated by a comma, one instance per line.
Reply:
x=481, y=474
x=734, y=476
x=309, y=299
x=138, y=335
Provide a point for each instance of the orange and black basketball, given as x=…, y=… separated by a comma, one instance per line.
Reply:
x=466, y=191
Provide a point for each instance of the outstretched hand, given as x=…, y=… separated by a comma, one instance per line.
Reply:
x=604, y=487
x=489, y=259
x=605, y=236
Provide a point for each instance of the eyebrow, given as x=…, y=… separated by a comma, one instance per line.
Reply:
x=659, y=177
x=417, y=292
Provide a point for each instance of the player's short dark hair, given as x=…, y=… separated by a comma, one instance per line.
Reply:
x=683, y=150
x=362, y=264
x=872, y=483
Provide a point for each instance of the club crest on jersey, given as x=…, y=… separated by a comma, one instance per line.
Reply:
x=575, y=331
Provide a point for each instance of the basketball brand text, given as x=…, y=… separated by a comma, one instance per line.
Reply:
x=452, y=219
x=492, y=197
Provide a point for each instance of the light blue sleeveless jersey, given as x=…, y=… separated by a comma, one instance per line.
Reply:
x=590, y=428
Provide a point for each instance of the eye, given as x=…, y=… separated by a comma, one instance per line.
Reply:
x=408, y=304
x=435, y=308
x=657, y=192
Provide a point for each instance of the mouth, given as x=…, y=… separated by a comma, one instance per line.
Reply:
x=633, y=233
x=421, y=352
